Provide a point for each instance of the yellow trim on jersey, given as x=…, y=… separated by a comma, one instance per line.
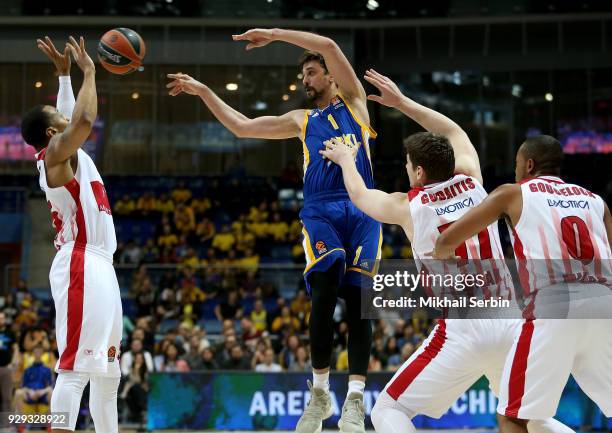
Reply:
x=304, y=146
x=310, y=257
x=362, y=124
x=376, y=263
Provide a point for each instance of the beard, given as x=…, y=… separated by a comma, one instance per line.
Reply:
x=312, y=94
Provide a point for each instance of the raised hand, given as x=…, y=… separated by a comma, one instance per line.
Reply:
x=339, y=152
x=183, y=83
x=257, y=38
x=390, y=94
x=61, y=61
x=79, y=54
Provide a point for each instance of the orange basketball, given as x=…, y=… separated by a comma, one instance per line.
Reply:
x=121, y=50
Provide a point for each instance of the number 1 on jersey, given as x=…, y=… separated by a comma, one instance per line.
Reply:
x=332, y=121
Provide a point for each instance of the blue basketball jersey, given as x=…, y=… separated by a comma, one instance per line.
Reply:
x=323, y=178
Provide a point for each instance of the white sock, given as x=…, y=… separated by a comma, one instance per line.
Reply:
x=355, y=386
x=320, y=380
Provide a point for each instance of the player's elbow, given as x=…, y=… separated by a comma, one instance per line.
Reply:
x=84, y=122
x=329, y=45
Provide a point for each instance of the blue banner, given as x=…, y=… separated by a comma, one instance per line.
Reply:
x=269, y=401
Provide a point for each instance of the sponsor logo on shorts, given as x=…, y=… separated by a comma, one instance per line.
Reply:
x=321, y=248
x=112, y=352
x=364, y=265
x=88, y=352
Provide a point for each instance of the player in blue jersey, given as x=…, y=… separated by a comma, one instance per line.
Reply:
x=340, y=241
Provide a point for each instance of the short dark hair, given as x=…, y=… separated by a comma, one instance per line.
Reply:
x=34, y=125
x=309, y=56
x=546, y=153
x=433, y=152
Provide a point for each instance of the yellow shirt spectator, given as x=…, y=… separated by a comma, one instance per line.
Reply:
x=167, y=239
x=342, y=361
x=125, y=206
x=180, y=194
x=259, y=319
x=164, y=205
x=146, y=203
x=184, y=218
x=224, y=241
x=200, y=205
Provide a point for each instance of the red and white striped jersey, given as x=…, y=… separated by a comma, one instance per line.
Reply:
x=80, y=210
x=561, y=235
x=435, y=207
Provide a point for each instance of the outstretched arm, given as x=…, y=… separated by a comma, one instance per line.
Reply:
x=466, y=158
x=504, y=201
x=386, y=208
x=65, y=96
x=63, y=145
x=336, y=61
x=288, y=125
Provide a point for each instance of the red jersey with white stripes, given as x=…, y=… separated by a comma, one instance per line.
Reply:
x=435, y=207
x=561, y=235
x=80, y=210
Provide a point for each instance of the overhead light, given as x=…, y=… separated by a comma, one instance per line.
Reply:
x=293, y=87
x=372, y=5
x=270, y=1
x=517, y=90
x=260, y=105
x=135, y=95
x=300, y=76
x=548, y=97
x=38, y=84
x=231, y=86
x=486, y=81
x=285, y=97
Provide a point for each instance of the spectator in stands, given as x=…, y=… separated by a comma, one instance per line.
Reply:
x=302, y=361
x=237, y=360
x=375, y=364
x=250, y=334
x=258, y=316
x=36, y=383
x=146, y=205
x=180, y=250
x=287, y=354
x=184, y=219
x=268, y=365
x=35, y=336
x=27, y=316
x=167, y=305
x=286, y=320
x=391, y=348
x=230, y=308
x=132, y=253
x=150, y=253
x=21, y=292
x=397, y=360
x=193, y=357
x=172, y=362
x=124, y=206
x=224, y=240
x=200, y=205
x=127, y=358
x=190, y=258
x=9, y=358
x=278, y=229
x=164, y=205
x=205, y=232
x=207, y=361
x=224, y=349
x=145, y=298
x=136, y=387
x=300, y=306
x=167, y=239
x=181, y=194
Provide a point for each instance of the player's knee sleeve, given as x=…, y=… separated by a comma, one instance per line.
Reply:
x=66, y=397
x=388, y=417
x=103, y=403
x=359, y=333
x=324, y=294
x=549, y=425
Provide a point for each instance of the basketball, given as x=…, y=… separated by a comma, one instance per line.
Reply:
x=121, y=50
